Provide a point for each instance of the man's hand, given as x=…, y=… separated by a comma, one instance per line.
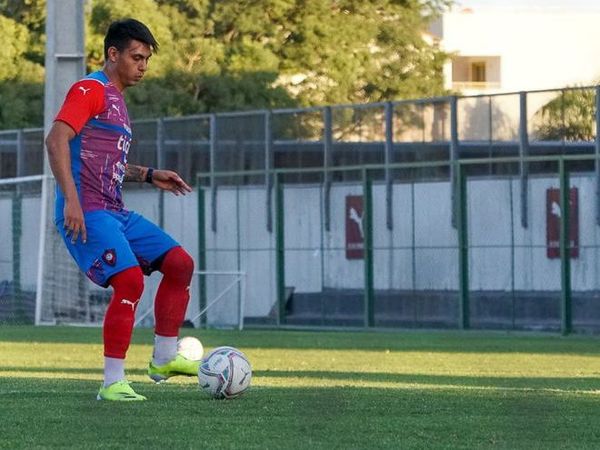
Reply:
x=74, y=221
x=170, y=181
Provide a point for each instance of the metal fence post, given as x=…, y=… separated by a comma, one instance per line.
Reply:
x=268, y=169
x=160, y=163
x=280, y=250
x=327, y=144
x=454, y=155
x=21, y=164
x=17, y=230
x=201, y=251
x=597, y=153
x=523, y=154
x=565, y=249
x=213, y=165
x=463, y=247
x=368, y=249
x=389, y=148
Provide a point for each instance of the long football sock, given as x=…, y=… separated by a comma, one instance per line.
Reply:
x=128, y=286
x=173, y=292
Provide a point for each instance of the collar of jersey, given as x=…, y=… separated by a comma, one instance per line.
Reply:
x=99, y=76
x=102, y=78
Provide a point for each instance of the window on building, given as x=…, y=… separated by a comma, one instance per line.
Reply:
x=478, y=72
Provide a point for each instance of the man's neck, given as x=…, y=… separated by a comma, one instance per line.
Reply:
x=110, y=74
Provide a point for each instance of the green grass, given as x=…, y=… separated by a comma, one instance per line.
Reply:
x=312, y=390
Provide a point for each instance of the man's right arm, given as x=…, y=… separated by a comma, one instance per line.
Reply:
x=59, y=157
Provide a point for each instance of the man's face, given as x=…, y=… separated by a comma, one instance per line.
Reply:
x=131, y=63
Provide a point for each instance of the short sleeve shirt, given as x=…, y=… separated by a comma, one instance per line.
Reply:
x=95, y=109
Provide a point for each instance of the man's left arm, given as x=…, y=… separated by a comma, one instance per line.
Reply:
x=163, y=179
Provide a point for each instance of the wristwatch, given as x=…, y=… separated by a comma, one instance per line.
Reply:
x=149, y=175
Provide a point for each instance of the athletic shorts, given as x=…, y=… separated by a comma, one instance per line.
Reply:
x=117, y=241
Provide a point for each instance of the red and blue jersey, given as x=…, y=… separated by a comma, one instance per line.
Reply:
x=95, y=109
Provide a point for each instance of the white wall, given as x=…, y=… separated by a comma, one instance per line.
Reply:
x=241, y=224
x=421, y=218
x=303, y=234
x=6, y=240
x=538, y=49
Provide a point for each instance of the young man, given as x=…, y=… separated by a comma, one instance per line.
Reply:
x=87, y=149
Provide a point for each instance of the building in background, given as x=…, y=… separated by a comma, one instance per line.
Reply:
x=499, y=49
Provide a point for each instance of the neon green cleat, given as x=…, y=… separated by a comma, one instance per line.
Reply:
x=120, y=392
x=179, y=365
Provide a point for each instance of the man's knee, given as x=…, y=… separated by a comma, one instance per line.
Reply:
x=178, y=265
x=129, y=283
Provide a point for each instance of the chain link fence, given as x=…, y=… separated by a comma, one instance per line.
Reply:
x=381, y=214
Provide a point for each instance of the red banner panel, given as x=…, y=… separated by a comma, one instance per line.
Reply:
x=355, y=238
x=553, y=218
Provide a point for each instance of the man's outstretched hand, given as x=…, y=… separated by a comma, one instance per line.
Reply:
x=168, y=180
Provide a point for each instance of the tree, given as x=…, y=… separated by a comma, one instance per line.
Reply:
x=570, y=116
x=218, y=55
x=21, y=88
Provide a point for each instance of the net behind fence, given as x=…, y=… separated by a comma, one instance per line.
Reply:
x=19, y=248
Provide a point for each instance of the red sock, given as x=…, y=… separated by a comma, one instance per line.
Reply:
x=173, y=292
x=128, y=286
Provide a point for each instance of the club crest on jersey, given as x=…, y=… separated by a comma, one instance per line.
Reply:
x=110, y=257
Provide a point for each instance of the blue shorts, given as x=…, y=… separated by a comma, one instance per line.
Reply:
x=117, y=241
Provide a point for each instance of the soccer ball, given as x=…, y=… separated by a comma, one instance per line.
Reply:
x=190, y=347
x=225, y=373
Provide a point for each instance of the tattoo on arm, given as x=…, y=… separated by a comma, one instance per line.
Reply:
x=135, y=173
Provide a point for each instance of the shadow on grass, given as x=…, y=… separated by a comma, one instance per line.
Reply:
x=584, y=383
x=401, y=341
x=522, y=383
x=64, y=413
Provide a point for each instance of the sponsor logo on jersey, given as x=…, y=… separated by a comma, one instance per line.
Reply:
x=123, y=144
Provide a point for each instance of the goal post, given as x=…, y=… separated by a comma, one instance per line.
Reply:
x=218, y=293
x=41, y=284
x=19, y=247
x=217, y=302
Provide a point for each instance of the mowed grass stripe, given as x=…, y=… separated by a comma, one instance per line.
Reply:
x=311, y=390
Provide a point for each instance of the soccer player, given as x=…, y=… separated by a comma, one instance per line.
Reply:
x=87, y=149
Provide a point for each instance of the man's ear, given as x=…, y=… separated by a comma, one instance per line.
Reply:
x=113, y=54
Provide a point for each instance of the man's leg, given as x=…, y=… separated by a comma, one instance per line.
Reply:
x=171, y=303
x=128, y=286
x=156, y=250
x=169, y=310
x=108, y=260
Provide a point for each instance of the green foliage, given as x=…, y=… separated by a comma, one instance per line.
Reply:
x=218, y=55
x=570, y=116
x=21, y=89
x=22, y=104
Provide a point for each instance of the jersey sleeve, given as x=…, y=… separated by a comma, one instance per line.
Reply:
x=84, y=100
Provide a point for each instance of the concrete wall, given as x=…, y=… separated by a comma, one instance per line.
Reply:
x=420, y=252
x=29, y=244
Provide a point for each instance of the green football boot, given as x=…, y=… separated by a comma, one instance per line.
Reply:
x=179, y=365
x=119, y=392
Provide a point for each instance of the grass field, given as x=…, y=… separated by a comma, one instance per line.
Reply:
x=311, y=390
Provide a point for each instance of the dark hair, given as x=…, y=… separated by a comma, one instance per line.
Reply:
x=121, y=32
